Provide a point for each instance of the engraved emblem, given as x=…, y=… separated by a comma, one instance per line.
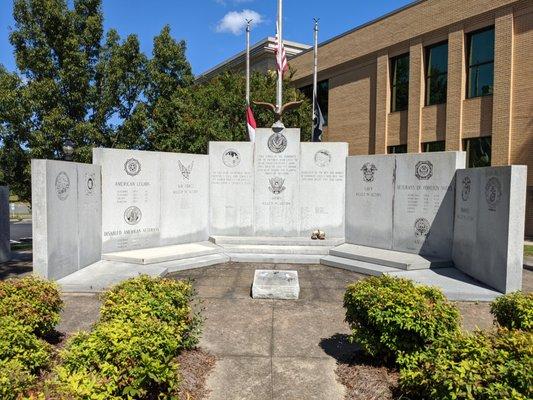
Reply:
x=231, y=158
x=322, y=158
x=277, y=142
x=132, y=215
x=185, y=170
x=62, y=185
x=424, y=170
x=421, y=227
x=493, y=193
x=465, y=192
x=369, y=169
x=276, y=185
x=89, y=184
x=132, y=166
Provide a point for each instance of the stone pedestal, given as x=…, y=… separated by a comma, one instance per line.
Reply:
x=5, y=247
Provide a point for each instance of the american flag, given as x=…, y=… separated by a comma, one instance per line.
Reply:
x=281, y=56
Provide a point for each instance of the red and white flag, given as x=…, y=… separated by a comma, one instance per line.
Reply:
x=250, y=123
x=281, y=56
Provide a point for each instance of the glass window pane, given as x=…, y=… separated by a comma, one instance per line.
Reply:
x=434, y=146
x=437, y=86
x=400, y=83
x=481, y=79
x=478, y=152
x=401, y=148
x=437, y=59
x=482, y=47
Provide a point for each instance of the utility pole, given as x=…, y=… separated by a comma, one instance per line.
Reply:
x=315, y=71
x=279, y=92
x=248, y=22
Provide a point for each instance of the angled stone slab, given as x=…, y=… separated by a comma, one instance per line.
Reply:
x=489, y=225
x=390, y=258
x=275, y=241
x=231, y=182
x=322, y=185
x=164, y=253
x=275, y=284
x=271, y=249
x=361, y=267
x=275, y=258
x=5, y=247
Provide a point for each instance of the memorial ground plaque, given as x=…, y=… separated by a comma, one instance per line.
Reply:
x=489, y=225
x=231, y=188
x=130, y=198
x=276, y=182
x=424, y=202
x=184, y=198
x=369, y=200
x=322, y=185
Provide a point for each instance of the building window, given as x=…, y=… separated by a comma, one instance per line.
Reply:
x=436, y=73
x=478, y=151
x=439, y=145
x=401, y=148
x=481, y=62
x=323, y=96
x=399, y=83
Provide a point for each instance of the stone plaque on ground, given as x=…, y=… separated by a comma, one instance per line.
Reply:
x=275, y=284
x=424, y=198
x=5, y=247
x=369, y=200
x=276, y=182
x=131, y=193
x=322, y=185
x=184, y=198
x=231, y=188
x=489, y=225
x=65, y=237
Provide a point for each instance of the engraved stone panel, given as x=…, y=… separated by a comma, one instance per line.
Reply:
x=276, y=182
x=5, y=251
x=184, y=198
x=231, y=188
x=130, y=198
x=424, y=202
x=322, y=185
x=369, y=200
x=489, y=225
x=89, y=214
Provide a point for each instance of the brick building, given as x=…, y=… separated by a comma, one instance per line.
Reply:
x=434, y=75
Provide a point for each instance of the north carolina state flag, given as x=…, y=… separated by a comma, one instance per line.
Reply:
x=250, y=124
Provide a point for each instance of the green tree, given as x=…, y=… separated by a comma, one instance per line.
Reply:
x=215, y=110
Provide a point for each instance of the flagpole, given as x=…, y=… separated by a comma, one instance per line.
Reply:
x=315, y=70
x=279, y=92
x=248, y=21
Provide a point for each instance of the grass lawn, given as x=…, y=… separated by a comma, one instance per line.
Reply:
x=21, y=246
x=528, y=250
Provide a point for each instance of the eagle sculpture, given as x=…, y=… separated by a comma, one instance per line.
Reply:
x=284, y=108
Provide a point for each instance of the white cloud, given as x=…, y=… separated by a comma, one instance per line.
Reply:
x=234, y=21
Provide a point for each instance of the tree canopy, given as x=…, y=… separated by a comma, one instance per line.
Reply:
x=75, y=81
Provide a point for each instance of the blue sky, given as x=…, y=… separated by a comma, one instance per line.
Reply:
x=211, y=27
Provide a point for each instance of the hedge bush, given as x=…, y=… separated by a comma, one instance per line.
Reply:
x=481, y=366
x=122, y=359
x=165, y=299
x=34, y=302
x=514, y=310
x=390, y=315
x=22, y=356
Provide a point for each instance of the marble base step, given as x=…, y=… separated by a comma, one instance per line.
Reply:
x=162, y=254
x=360, y=267
x=103, y=274
x=275, y=241
x=275, y=258
x=271, y=249
x=389, y=258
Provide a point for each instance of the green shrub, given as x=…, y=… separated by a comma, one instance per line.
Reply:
x=391, y=315
x=514, y=310
x=165, y=299
x=480, y=366
x=33, y=301
x=15, y=379
x=121, y=359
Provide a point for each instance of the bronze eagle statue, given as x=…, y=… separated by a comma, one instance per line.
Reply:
x=284, y=108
